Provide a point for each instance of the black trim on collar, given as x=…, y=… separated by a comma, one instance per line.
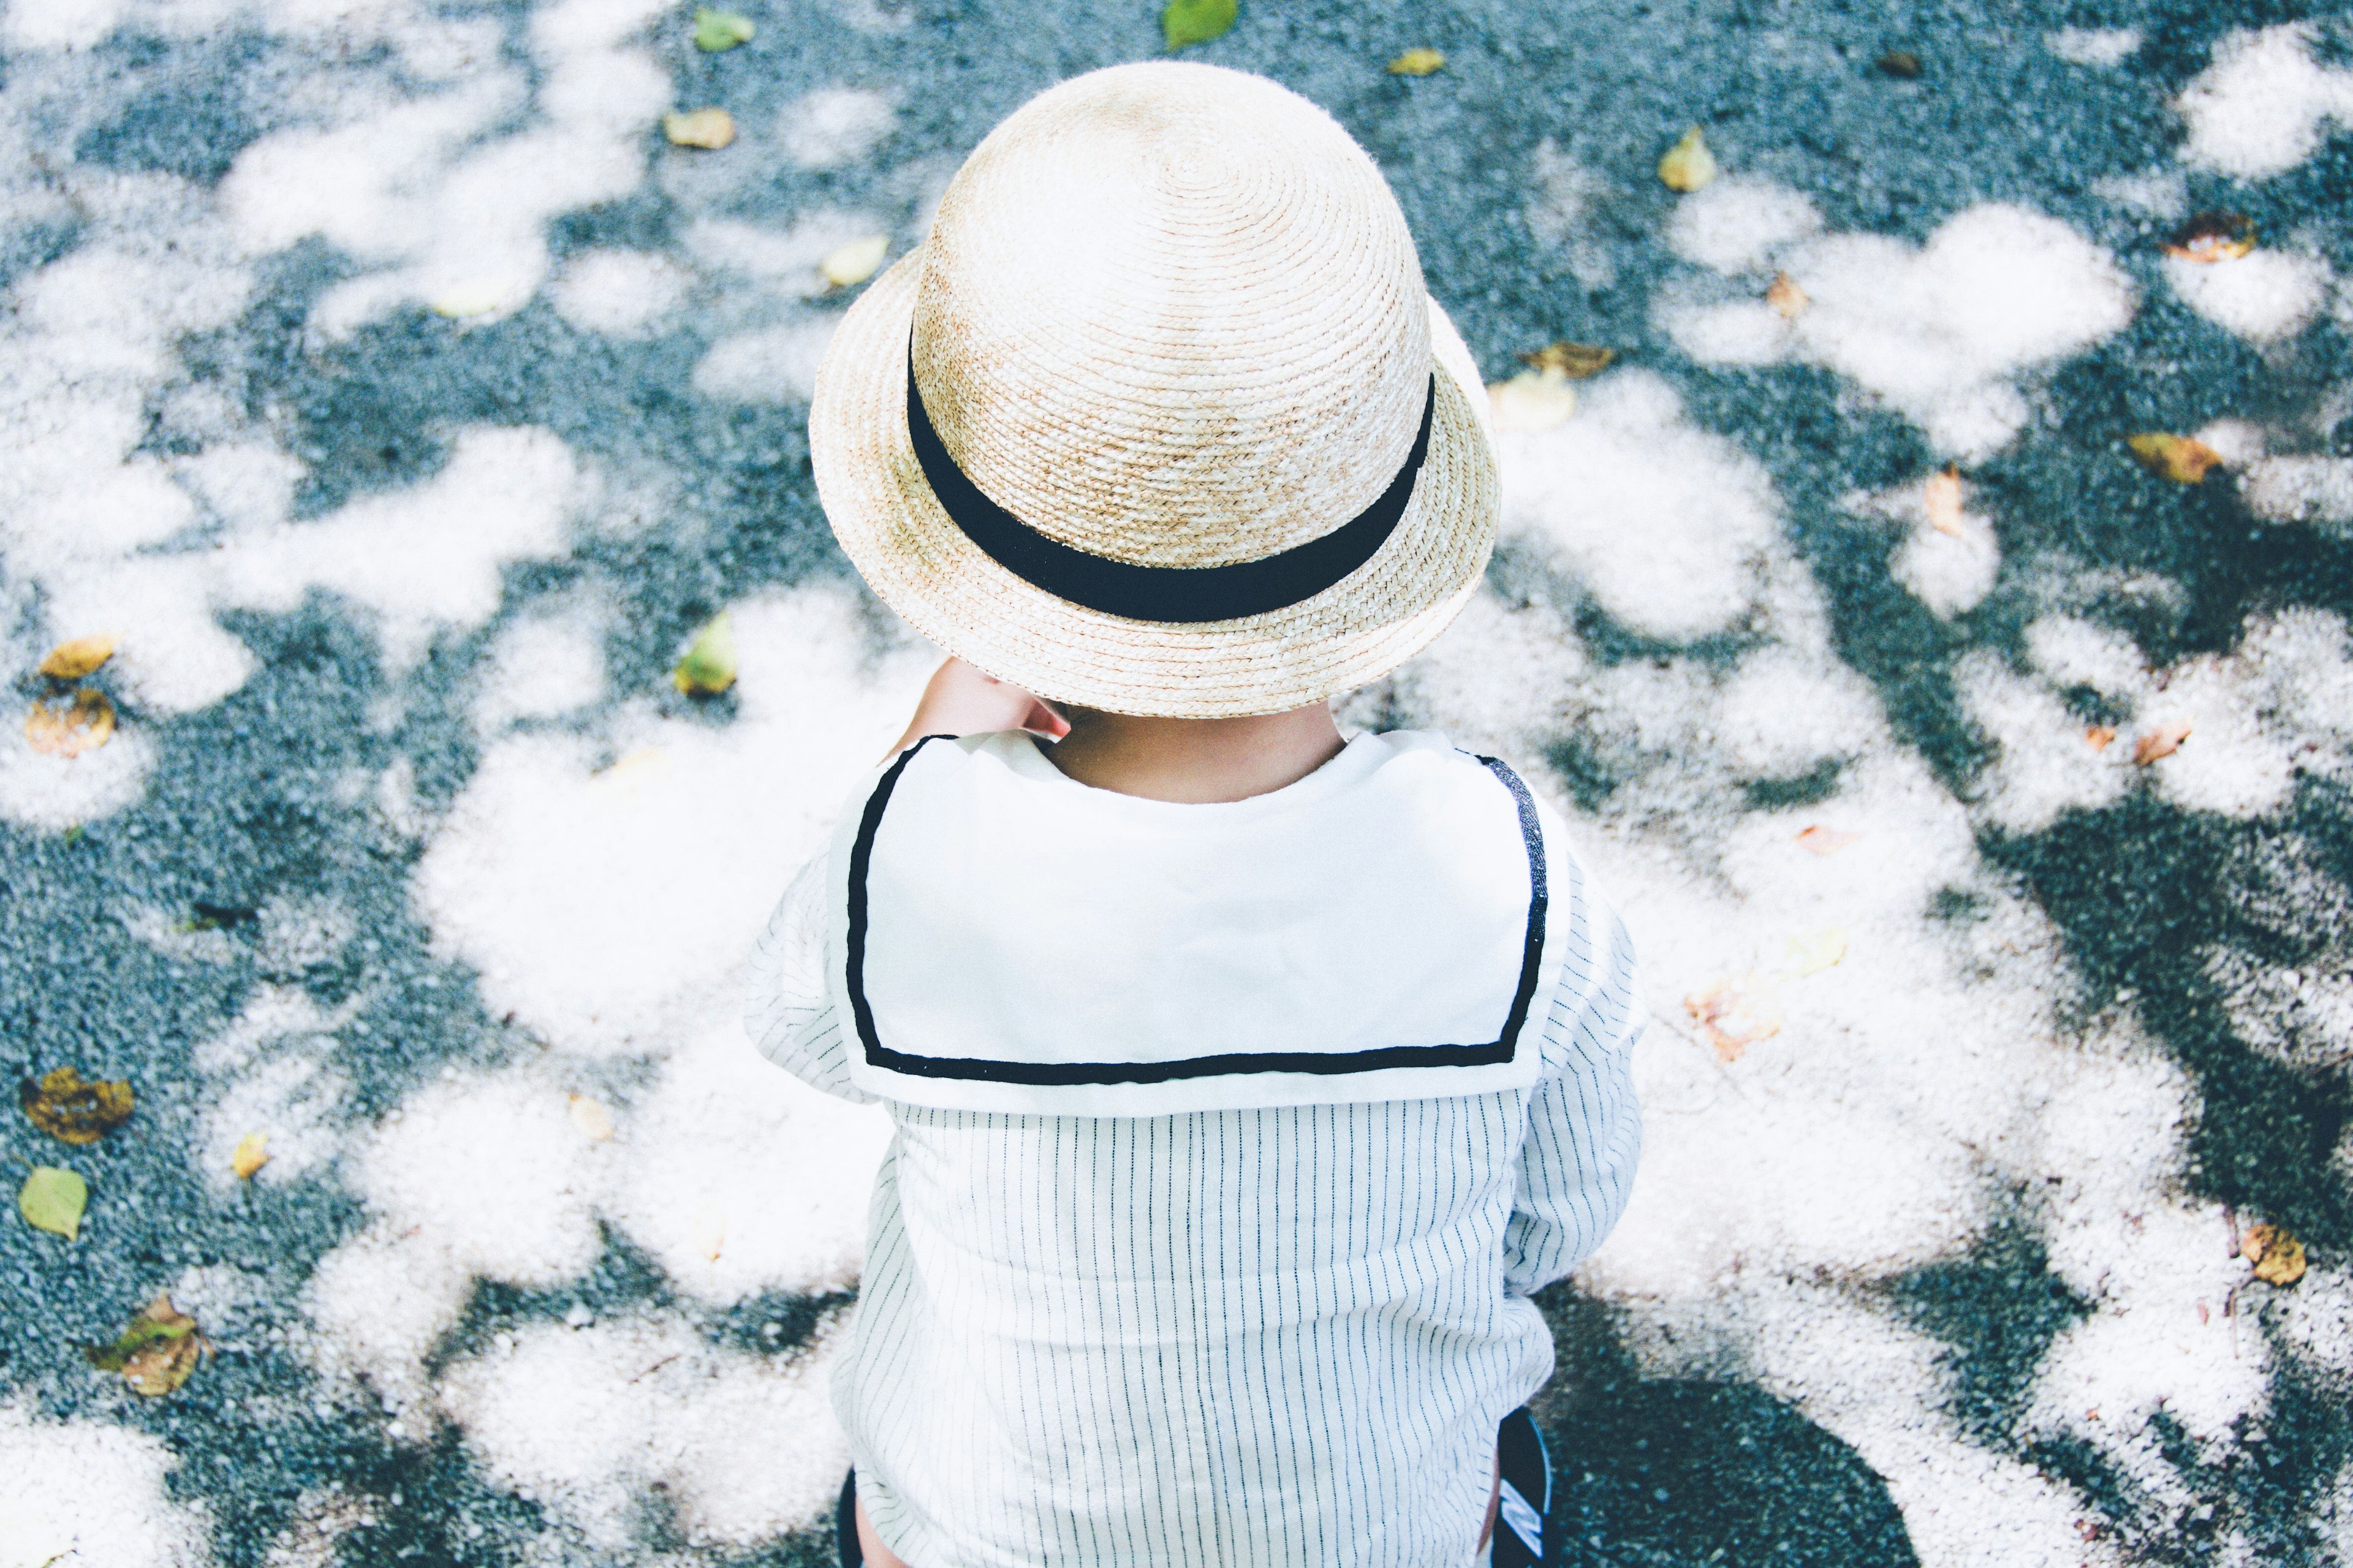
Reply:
x=1184, y=595
x=1330, y=1063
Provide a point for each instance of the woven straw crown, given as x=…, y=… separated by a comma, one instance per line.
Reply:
x=1169, y=316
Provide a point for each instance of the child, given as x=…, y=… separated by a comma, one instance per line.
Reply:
x=1246, y=1080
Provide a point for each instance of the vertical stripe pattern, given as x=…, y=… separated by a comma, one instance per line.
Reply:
x=1244, y=1338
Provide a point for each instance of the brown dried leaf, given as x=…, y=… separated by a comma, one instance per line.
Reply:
x=71, y=1111
x=1826, y=840
x=158, y=1352
x=2277, y=1254
x=1786, y=297
x=2213, y=236
x=251, y=1153
x=1901, y=63
x=1417, y=62
x=707, y=128
x=2101, y=737
x=1734, y=1014
x=1575, y=361
x=2162, y=741
x=70, y=728
x=72, y=660
x=1943, y=500
x=2184, y=459
x=1532, y=400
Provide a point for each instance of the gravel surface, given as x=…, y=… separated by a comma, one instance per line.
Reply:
x=403, y=403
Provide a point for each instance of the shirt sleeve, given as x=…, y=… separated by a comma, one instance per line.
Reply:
x=1584, y=1130
x=788, y=1009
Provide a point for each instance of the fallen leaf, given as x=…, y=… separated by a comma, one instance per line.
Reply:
x=52, y=1199
x=209, y=916
x=2162, y=741
x=71, y=1111
x=2213, y=236
x=709, y=1234
x=1417, y=62
x=718, y=31
x=1826, y=840
x=1734, y=1014
x=2101, y=736
x=70, y=728
x=158, y=1352
x=709, y=666
x=2184, y=459
x=847, y=266
x=72, y=660
x=252, y=1152
x=1187, y=22
x=1575, y=361
x=1815, y=951
x=1943, y=500
x=711, y=128
x=2277, y=1254
x=632, y=775
x=1786, y=297
x=1532, y=400
x=591, y=1119
x=472, y=298
x=1902, y=63
x=1688, y=164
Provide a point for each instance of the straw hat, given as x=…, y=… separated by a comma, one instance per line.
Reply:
x=1160, y=418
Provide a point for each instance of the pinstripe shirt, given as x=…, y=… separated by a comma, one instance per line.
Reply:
x=1259, y=1337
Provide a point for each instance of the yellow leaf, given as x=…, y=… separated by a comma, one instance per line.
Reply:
x=1815, y=951
x=70, y=728
x=1575, y=361
x=71, y=1111
x=2162, y=741
x=2277, y=1254
x=1942, y=496
x=52, y=1199
x=72, y=660
x=252, y=1152
x=157, y=1353
x=709, y=1234
x=2184, y=459
x=1734, y=1014
x=1417, y=62
x=472, y=298
x=591, y=1119
x=1688, y=164
x=847, y=266
x=2212, y=236
x=709, y=666
x=710, y=128
x=1532, y=400
x=1787, y=298
x=1826, y=840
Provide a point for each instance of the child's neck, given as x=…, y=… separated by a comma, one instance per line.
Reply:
x=1197, y=762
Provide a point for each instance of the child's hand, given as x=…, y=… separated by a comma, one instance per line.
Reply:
x=962, y=701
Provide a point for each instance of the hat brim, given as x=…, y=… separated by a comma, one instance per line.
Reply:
x=921, y=565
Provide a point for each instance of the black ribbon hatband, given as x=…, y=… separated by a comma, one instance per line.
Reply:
x=1184, y=595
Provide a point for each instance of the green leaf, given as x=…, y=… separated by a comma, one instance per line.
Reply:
x=1196, y=21
x=143, y=1331
x=52, y=1200
x=716, y=31
x=709, y=666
